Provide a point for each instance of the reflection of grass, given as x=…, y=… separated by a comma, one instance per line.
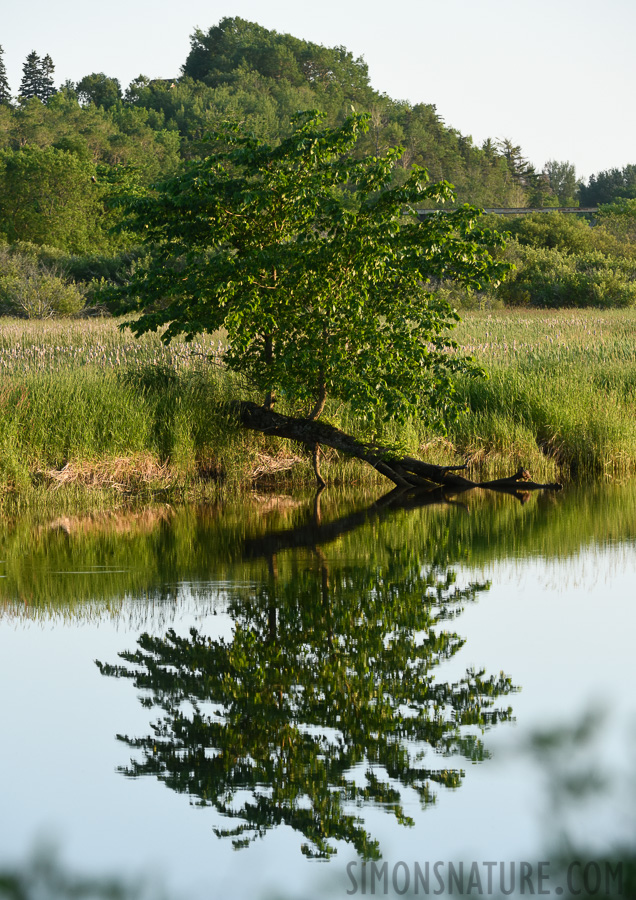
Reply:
x=89, y=411
x=148, y=553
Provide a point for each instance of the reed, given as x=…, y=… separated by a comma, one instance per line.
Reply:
x=561, y=392
x=91, y=416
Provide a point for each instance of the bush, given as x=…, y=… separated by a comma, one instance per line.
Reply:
x=29, y=289
x=555, y=231
x=552, y=279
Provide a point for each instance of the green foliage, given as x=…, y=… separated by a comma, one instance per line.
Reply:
x=33, y=290
x=562, y=180
x=566, y=260
x=326, y=671
x=5, y=90
x=555, y=231
x=242, y=72
x=319, y=271
x=117, y=136
x=609, y=186
x=619, y=220
x=37, y=78
x=47, y=196
x=99, y=89
x=551, y=279
x=234, y=44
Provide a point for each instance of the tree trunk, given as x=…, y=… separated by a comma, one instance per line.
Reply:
x=403, y=471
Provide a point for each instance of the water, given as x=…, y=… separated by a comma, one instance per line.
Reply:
x=364, y=682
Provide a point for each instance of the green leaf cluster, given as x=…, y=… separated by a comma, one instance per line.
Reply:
x=317, y=267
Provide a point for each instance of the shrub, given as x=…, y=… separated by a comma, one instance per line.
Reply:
x=29, y=289
x=552, y=279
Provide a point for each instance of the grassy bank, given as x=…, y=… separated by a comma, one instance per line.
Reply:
x=561, y=391
x=88, y=409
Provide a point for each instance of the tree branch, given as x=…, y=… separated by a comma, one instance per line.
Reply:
x=403, y=471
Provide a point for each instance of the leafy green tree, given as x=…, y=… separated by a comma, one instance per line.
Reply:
x=48, y=197
x=234, y=43
x=554, y=231
x=609, y=186
x=5, y=90
x=562, y=180
x=320, y=271
x=99, y=89
x=619, y=219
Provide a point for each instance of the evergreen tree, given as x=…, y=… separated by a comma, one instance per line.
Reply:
x=37, y=78
x=5, y=91
x=31, y=75
x=47, y=88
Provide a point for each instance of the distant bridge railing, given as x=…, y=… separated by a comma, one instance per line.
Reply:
x=521, y=211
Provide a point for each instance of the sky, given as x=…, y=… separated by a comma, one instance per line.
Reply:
x=556, y=77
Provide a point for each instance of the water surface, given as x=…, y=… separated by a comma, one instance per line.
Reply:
x=309, y=683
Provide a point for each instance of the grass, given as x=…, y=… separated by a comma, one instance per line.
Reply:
x=561, y=395
x=96, y=417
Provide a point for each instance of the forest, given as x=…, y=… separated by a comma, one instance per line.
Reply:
x=69, y=152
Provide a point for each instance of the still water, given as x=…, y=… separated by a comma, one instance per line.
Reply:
x=253, y=700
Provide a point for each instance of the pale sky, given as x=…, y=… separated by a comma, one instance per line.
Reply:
x=556, y=76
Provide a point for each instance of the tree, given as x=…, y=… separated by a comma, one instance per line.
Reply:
x=37, y=78
x=5, y=90
x=318, y=268
x=48, y=87
x=31, y=74
x=609, y=186
x=216, y=56
x=99, y=89
x=562, y=179
x=47, y=197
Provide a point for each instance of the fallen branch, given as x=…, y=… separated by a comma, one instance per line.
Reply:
x=403, y=471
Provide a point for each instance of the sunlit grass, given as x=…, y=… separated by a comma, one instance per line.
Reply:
x=86, y=407
x=561, y=389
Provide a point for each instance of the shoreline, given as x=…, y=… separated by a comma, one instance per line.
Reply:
x=90, y=416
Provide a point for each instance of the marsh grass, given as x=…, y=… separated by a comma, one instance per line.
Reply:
x=90, y=416
x=561, y=392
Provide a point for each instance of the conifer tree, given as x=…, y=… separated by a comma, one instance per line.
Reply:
x=5, y=90
x=47, y=87
x=31, y=74
x=37, y=78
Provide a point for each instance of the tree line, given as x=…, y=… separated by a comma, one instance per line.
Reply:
x=240, y=71
x=68, y=153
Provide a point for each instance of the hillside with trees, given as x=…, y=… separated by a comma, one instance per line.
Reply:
x=67, y=153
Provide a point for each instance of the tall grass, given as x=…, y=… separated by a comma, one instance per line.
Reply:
x=85, y=405
x=561, y=390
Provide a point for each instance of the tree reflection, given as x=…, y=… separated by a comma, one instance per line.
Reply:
x=325, y=699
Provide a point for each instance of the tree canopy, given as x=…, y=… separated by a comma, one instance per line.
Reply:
x=316, y=265
x=99, y=89
x=37, y=78
x=609, y=186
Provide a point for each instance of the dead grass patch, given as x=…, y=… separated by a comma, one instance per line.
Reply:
x=122, y=473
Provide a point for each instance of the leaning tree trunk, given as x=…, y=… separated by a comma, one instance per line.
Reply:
x=403, y=471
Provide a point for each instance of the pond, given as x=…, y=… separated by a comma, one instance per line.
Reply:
x=276, y=697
